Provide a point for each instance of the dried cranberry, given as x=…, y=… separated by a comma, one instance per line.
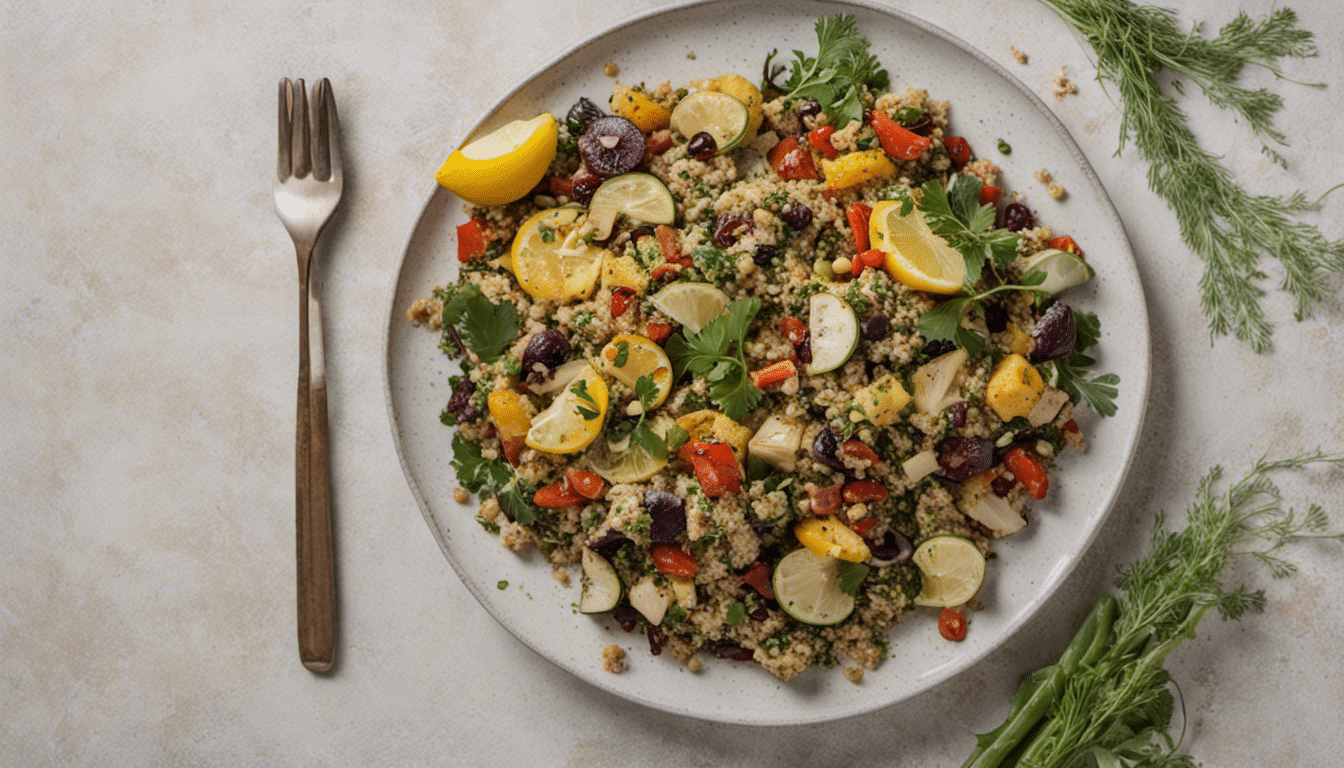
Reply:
x=875, y=328
x=996, y=318
x=657, y=638
x=583, y=184
x=732, y=651
x=798, y=217
x=764, y=255
x=958, y=414
x=894, y=548
x=963, y=457
x=1017, y=217
x=728, y=228
x=1002, y=485
x=463, y=395
x=809, y=107
x=922, y=125
x=608, y=543
x=626, y=615
x=759, y=614
x=803, y=350
x=702, y=146
x=937, y=348
x=643, y=230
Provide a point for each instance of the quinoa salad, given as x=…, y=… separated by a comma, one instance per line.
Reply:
x=759, y=367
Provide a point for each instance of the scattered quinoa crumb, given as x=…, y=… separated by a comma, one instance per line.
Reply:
x=561, y=575
x=1018, y=55
x=460, y=496
x=428, y=312
x=1063, y=85
x=690, y=55
x=1055, y=191
x=613, y=659
x=854, y=674
x=1044, y=176
x=611, y=70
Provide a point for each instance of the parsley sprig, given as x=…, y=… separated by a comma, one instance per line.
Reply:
x=837, y=76
x=955, y=214
x=477, y=474
x=943, y=322
x=716, y=353
x=1067, y=373
x=641, y=433
x=471, y=321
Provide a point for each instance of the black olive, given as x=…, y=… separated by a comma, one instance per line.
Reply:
x=1017, y=217
x=996, y=318
x=545, y=352
x=962, y=457
x=938, y=348
x=626, y=615
x=611, y=146
x=581, y=114
x=608, y=544
x=1055, y=334
x=809, y=107
x=826, y=449
x=894, y=548
x=668, y=515
x=875, y=328
x=958, y=414
x=732, y=651
x=702, y=146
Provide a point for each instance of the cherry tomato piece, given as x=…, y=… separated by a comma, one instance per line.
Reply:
x=952, y=624
x=672, y=560
x=586, y=484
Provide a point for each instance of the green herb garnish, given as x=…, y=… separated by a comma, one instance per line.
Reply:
x=842, y=71
x=1067, y=373
x=849, y=576
x=486, y=328
x=1107, y=701
x=955, y=214
x=716, y=353
x=477, y=474
x=1226, y=226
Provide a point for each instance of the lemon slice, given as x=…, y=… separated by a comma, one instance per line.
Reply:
x=628, y=356
x=807, y=587
x=828, y=537
x=718, y=114
x=953, y=569
x=640, y=196
x=691, y=304
x=915, y=255
x=1062, y=270
x=574, y=418
x=551, y=261
x=627, y=462
x=503, y=165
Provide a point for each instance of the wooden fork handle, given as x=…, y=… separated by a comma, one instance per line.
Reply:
x=314, y=551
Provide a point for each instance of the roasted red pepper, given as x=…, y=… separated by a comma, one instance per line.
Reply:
x=952, y=624
x=820, y=139
x=471, y=240
x=858, y=215
x=672, y=560
x=794, y=330
x=621, y=297
x=858, y=450
x=757, y=576
x=863, y=526
x=826, y=501
x=862, y=491
x=773, y=374
x=791, y=160
x=989, y=194
x=897, y=140
x=586, y=484
x=1028, y=471
x=1066, y=243
x=556, y=495
x=715, y=467
x=957, y=150
x=658, y=333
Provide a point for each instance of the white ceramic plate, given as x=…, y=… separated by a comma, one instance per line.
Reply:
x=987, y=103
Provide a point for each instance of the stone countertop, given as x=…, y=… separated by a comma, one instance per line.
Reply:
x=146, y=571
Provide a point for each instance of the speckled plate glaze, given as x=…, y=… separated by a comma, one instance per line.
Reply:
x=987, y=103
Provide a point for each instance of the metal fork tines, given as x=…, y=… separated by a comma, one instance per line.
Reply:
x=307, y=188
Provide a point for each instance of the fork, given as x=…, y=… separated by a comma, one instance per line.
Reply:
x=307, y=188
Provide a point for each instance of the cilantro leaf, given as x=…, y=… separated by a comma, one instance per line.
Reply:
x=954, y=213
x=716, y=353
x=514, y=499
x=477, y=474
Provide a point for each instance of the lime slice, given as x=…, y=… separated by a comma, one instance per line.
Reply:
x=1062, y=270
x=504, y=165
x=626, y=462
x=915, y=255
x=828, y=537
x=718, y=114
x=835, y=332
x=628, y=356
x=744, y=91
x=640, y=196
x=691, y=304
x=574, y=418
x=807, y=587
x=953, y=569
x=549, y=259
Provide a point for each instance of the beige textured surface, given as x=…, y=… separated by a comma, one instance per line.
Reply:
x=146, y=599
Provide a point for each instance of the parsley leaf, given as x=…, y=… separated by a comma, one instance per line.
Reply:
x=848, y=576
x=716, y=353
x=486, y=328
x=1068, y=374
x=477, y=474
x=955, y=214
x=837, y=77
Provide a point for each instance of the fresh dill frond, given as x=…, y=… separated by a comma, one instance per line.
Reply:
x=1224, y=224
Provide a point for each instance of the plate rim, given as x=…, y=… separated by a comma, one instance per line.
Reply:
x=1140, y=376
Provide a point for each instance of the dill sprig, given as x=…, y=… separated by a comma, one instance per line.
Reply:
x=1224, y=224
x=1108, y=696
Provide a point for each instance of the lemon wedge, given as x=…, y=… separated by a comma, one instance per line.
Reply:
x=691, y=304
x=503, y=165
x=551, y=261
x=574, y=418
x=723, y=117
x=629, y=356
x=626, y=462
x=807, y=587
x=914, y=254
x=953, y=570
x=828, y=537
